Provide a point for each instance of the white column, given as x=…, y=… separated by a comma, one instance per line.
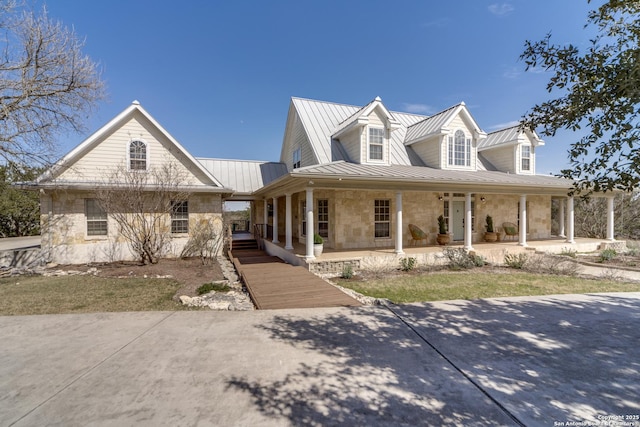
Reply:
x=562, y=218
x=570, y=220
x=522, y=232
x=288, y=224
x=310, y=226
x=275, y=220
x=449, y=218
x=265, y=218
x=399, y=250
x=610, y=219
x=468, y=228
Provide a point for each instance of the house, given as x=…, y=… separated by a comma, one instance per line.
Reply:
x=356, y=175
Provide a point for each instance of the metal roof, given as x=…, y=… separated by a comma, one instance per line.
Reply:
x=506, y=136
x=244, y=176
x=431, y=125
x=426, y=174
x=322, y=119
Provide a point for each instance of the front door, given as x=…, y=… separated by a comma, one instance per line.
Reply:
x=457, y=220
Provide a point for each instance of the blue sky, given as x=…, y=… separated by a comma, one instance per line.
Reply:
x=219, y=75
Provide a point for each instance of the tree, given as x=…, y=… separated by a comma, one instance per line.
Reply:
x=47, y=85
x=19, y=209
x=141, y=204
x=599, y=91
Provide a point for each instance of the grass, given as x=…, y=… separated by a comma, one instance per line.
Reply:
x=24, y=295
x=480, y=284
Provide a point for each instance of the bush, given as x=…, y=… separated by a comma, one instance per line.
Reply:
x=347, y=271
x=552, y=264
x=408, y=264
x=459, y=259
x=517, y=261
x=607, y=255
x=478, y=260
x=572, y=253
x=208, y=287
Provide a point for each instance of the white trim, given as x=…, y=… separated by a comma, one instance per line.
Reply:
x=383, y=145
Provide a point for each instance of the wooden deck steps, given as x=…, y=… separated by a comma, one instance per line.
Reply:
x=274, y=284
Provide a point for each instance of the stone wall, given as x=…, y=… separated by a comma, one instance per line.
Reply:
x=65, y=240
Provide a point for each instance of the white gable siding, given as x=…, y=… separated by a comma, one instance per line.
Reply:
x=298, y=140
x=430, y=152
x=351, y=142
x=502, y=158
x=111, y=152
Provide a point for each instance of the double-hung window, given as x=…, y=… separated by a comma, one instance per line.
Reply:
x=459, y=149
x=297, y=158
x=96, y=218
x=525, y=156
x=180, y=217
x=376, y=143
x=382, y=219
x=323, y=217
x=137, y=155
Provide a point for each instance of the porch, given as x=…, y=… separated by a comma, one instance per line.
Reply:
x=332, y=261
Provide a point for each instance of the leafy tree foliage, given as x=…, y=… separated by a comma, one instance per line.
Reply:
x=47, y=85
x=599, y=90
x=19, y=209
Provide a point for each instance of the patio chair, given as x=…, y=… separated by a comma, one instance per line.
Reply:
x=510, y=230
x=417, y=234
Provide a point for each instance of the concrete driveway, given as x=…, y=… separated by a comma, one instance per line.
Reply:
x=517, y=361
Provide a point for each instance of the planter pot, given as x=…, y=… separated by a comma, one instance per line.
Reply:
x=317, y=249
x=490, y=236
x=443, y=239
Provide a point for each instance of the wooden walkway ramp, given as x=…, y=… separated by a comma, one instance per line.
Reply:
x=273, y=284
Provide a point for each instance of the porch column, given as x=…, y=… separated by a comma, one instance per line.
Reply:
x=468, y=226
x=265, y=218
x=562, y=218
x=399, y=250
x=522, y=233
x=288, y=224
x=610, y=219
x=275, y=220
x=449, y=229
x=310, y=226
x=570, y=222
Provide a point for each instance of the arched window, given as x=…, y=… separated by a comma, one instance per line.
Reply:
x=459, y=149
x=137, y=155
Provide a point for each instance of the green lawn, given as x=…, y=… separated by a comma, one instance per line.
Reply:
x=24, y=295
x=474, y=284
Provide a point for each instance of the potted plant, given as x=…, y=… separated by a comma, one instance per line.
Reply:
x=490, y=235
x=443, y=237
x=318, y=244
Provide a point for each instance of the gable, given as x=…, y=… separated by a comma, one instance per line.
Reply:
x=103, y=153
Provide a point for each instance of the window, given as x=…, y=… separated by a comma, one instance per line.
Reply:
x=459, y=149
x=180, y=217
x=382, y=218
x=525, y=155
x=376, y=143
x=303, y=215
x=296, y=158
x=96, y=218
x=137, y=155
x=323, y=217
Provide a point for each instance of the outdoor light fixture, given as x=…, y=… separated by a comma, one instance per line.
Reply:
x=440, y=197
x=482, y=199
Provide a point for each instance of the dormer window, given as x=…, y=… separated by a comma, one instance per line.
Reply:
x=525, y=158
x=137, y=155
x=376, y=143
x=459, y=149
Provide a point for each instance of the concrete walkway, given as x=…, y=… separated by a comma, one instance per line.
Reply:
x=513, y=361
x=15, y=243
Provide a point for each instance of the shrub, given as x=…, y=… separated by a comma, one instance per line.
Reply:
x=347, y=271
x=459, y=259
x=607, y=255
x=208, y=287
x=408, y=264
x=572, y=253
x=517, y=261
x=317, y=239
x=478, y=260
x=551, y=264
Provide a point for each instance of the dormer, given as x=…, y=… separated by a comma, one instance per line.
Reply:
x=447, y=140
x=512, y=150
x=365, y=135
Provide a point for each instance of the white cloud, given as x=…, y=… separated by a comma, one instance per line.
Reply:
x=438, y=23
x=512, y=73
x=501, y=9
x=505, y=125
x=418, y=108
